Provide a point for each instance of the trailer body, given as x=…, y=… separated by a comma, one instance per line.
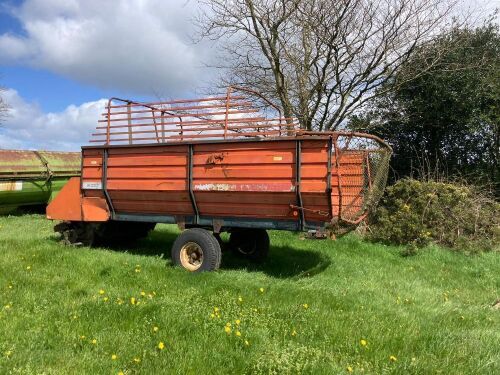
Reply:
x=217, y=164
x=292, y=183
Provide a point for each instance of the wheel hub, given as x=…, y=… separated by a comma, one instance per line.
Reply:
x=191, y=256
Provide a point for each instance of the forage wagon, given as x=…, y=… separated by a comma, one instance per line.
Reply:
x=229, y=163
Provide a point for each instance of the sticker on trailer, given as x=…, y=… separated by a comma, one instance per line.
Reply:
x=92, y=185
x=11, y=186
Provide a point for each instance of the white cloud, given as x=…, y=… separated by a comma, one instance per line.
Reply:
x=140, y=46
x=27, y=127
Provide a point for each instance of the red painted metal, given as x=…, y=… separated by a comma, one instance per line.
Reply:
x=194, y=159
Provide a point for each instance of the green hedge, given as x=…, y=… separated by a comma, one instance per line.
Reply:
x=418, y=213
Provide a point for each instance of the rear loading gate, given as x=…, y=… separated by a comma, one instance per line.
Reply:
x=291, y=184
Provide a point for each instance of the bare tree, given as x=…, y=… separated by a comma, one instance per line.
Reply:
x=319, y=60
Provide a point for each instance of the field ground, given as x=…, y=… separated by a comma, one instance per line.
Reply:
x=70, y=310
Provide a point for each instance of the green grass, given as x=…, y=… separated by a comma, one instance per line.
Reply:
x=432, y=312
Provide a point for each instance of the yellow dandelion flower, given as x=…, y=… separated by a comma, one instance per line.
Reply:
x=82, y=337
x=393, y=358
x=101, y=291
x=105, y=299
x=137, y=360
x=247, y=343
x=238, y=333
x=120, y=373
x=114, y=357
x=94, y=341
x=240, y=299
x=137, y=270
x=6, y=307
x=132, y=300
x=143, y=293
x=28, y=268
x=227, y=329
x=294, y=333
x=237, y=321
x=363, y=342
x=305, y=306
x=261, y=290
x=155, y=329
x=349, y=369
x=212, y=315
x=10, y=286
x=161, y=345
x=216, y=309
x=228, y=324
x=150, y=296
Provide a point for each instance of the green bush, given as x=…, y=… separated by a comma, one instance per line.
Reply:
x=417, y=213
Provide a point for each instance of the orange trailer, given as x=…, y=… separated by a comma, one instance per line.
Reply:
x=216, y=165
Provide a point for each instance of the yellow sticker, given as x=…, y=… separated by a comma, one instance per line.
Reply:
x=278, y=158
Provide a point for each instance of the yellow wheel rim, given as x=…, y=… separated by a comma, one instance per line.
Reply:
x=191, y=256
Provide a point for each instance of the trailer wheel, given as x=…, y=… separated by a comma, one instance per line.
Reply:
x=196, y=250
x=252, y=244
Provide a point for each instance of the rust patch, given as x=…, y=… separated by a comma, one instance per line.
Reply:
x=283, y=187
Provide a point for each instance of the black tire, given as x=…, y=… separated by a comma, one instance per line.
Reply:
x=187, y=247
x=252, y=244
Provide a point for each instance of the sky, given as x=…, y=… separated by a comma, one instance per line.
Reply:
x=61, y=59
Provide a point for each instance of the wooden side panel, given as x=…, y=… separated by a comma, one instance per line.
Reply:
x=247, y=179
x=241, y=179
x=149, y=180
x=92, y=167
x=314, y=174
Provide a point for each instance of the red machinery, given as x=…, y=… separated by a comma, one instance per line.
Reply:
x=216, y=165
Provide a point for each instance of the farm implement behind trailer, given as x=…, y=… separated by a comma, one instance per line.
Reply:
x=228, y=163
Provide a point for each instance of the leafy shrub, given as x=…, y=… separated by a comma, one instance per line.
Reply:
x=417, y=213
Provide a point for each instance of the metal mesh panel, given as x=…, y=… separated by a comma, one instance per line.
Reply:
x=362, y=162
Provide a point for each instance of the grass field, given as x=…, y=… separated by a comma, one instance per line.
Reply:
x=318, y=307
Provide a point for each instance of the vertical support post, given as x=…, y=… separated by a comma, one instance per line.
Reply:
x=227, y=110
x=339, y=176
x=104, y=181
x=162, y=114
x=329, y=176
x=129, y=121
x=190, y=184
x=109, y=123
x=298, y=152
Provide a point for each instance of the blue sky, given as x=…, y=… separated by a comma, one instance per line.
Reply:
x=59, y=60
x=33, y=84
